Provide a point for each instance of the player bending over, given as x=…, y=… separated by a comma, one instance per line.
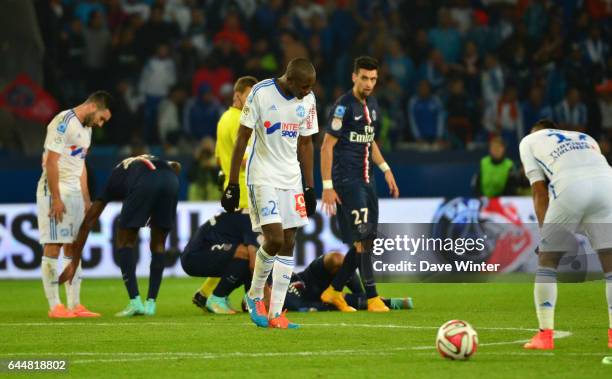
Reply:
x=225, y=247
x=579, y=196
x=62, y=196
x=148, y=188
x=307, y=286
x=282, y=114
x=347, y=154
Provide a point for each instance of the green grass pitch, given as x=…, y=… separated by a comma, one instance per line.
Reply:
x=182, y=341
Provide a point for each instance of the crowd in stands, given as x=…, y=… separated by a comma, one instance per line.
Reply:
x=453, y=72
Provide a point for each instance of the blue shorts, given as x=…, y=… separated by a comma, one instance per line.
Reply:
x=205, y=261
x=358, y=214
x=152, y=201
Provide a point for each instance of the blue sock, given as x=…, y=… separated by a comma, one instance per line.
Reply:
x=128, y=270
x=367, y=274
x=156, y=271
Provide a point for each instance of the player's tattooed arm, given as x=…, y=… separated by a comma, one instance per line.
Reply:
x=539, y=191
x=379, y=160
x=57, y=205
x=305, y=153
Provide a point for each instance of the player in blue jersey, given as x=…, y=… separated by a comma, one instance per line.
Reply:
x=348, y=151
x=224, y=247
x=148, y=187
x=307, y=286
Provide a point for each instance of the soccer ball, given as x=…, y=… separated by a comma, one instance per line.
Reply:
x=456, y=340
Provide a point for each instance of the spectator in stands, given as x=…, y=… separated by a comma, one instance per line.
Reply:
x=446, y=37
x=571, y=113
x=154, y=32
x=461, y=111
x=604, y=104
x=426, y=114
x=399, y=64
x=169, y=118
x=233, y=34
x=492, y=82
x=496, y=175
x=434, y=70
x=202, y=114
x=97, y=44
x=84, y=10
x=534, y=108
x=158, y=75
x=196, y=33
x=507, y=119
x=125, y=61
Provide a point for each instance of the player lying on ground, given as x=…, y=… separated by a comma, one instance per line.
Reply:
x=148, y=188
x=225, y=247
x=282, y=114
x=62, y=196
x=307, y=286
x=347, y=154
x=579, y=197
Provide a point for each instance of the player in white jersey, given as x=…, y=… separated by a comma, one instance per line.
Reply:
x=577, y=198
x=62, y=197
x=282, y=114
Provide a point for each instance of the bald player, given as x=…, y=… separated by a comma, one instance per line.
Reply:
x=282, y=114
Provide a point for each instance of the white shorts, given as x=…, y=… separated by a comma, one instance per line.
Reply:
x=583, y=207
x=269, y=205
x=65, y=231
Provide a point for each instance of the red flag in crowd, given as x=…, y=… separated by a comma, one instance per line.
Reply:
x=25, y=98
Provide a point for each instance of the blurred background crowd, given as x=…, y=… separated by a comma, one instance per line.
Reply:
x=454, y=73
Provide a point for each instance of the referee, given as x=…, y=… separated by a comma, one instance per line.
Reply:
x=227, y=131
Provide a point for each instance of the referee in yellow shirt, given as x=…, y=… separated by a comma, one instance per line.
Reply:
x=227, y=131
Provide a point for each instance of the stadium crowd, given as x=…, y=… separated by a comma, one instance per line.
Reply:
x=454, y=72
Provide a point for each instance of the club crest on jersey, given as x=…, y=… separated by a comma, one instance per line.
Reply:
x=336, y=124
x=300, y=111
x=246, y=110
x=61, y=128
x=339, y=111
x=288, y=130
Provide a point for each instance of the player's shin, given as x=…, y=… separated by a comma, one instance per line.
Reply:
x=349, y=264
x=232, y=277
x=281, y=276
x=128, y=270
x=156, y=272
x=263, y=266
x=73, y=289
x=50, y=280
x=545, y=296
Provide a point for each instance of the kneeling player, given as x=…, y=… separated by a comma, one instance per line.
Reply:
x=148, y=187
x=225, y=247
x=307, y=286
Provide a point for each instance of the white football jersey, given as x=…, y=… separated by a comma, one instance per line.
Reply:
x=563, y=157
x=68, y=137
x=277, y=122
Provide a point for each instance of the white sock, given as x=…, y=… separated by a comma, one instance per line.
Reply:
x=281, y=276
x=263, y=266
x=73, y=291
x=545, y=296
x=49, y=274
x=608, y=277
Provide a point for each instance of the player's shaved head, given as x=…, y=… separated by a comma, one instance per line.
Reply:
x=300, y=77
x=300, y=68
